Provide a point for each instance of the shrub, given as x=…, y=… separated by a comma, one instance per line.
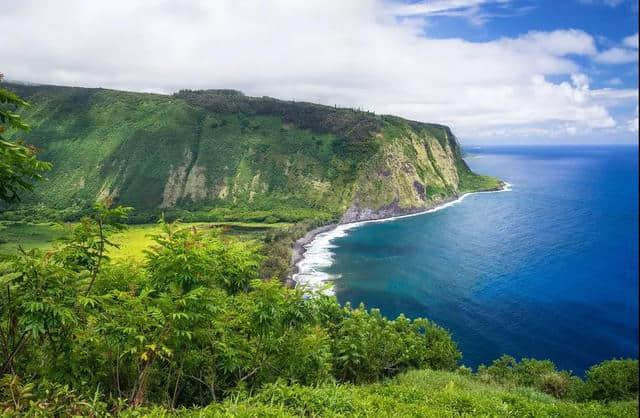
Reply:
x=465, y=371
x=530, y=372
x=538, y=374
x=502, y=371
x=554, y=383
x=47, y=399
x=188, y=258
x=612, y=380
x=367, y=346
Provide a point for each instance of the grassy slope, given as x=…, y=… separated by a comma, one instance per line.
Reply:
x=199, y=150
x=421, y=393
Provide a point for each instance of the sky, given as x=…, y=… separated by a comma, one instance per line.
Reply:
x=495, y=71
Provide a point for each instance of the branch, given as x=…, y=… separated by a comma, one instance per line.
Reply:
x=210, y=387
x=250, y=374
x=21, y=343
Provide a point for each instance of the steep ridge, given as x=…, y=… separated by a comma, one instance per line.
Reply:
x=197, y=150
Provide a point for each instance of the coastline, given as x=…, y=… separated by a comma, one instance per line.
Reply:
x=307, y=247
x=299, y=249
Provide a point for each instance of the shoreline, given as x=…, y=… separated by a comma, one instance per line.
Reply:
x=328, y=233
x=299, y=249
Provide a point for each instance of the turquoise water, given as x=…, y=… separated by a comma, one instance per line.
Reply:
x=547, y=270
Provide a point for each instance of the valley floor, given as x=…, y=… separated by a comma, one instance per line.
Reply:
x=132, y=241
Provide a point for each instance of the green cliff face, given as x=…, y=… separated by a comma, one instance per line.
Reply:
x=196, y=150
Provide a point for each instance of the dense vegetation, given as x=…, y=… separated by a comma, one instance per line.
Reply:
x=192, y=325
x=19, y=165
x=218, y=155
x=417, y=393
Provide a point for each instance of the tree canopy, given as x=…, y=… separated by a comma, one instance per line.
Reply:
x=19, y=165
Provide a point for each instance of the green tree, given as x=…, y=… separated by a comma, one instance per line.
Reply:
x=188, y=258
x=612, y=380
x=85, y=248
x=45, y=297
x=38, y=309
x=19, y=166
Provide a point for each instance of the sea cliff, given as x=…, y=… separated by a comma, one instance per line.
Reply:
x=220, y=153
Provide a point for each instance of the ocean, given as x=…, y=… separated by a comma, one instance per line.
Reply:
x=547, y=270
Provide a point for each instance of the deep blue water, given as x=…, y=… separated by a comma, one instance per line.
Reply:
x=548, y=270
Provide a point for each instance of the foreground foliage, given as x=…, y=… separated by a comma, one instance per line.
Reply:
x=19, y=166
x=191, y=326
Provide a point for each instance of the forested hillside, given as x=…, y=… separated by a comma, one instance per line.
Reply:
x=199, y=150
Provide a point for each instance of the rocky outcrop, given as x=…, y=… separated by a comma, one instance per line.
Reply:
x=412, y=172
x=355, y=213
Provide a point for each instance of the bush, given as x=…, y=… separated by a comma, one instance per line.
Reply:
x=501, y=371
x=538, y=374
x=465, y=371
x=530, y=372
x=47, y=399
x=367, y=346
x=612, y=380
x=555, y=383
x=189, y=258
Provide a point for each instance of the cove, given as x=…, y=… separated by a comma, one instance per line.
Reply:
x=548, y=270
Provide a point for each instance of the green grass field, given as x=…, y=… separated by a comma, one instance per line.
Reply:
x=132, y=241
x=30, y=235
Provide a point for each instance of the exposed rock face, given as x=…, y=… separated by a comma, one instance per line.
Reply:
x=358, y=214
x=174, y=187
x=419, y=189
x=412, y=172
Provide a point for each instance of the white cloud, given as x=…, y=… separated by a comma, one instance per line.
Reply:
x=611, y=97
x=617, y=56
x=556, y=43
x=610, y=3
x=580, y=81
x=351, y=53
x=472, y=10
x=620, y=54
x=439, y=6
x=631, y=41
x=615, y=81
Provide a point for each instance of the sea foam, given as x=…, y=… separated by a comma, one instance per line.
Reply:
x=318, y=255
